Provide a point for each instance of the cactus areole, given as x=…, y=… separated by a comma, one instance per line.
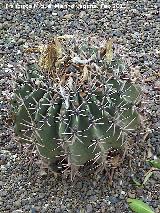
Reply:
x=74, y=105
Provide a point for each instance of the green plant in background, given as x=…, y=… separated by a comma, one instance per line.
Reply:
x=138, y=206
x=155, y=163
x=77, y=105
x=155, y=168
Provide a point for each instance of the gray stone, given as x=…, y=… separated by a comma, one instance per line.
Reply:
x=37, y=208
x=57, y=210
x=21, y=41
x=93, y=198
x=1, y=26
x=157, y=85
x=57, y=200
x=17, y=203
x=89, y=208
x=131, y=195
x=79, y=185
x=89, y=192
x=3, y=193
x=5, y=25
x=113, y=200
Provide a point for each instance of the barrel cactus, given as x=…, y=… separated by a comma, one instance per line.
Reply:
x=75, y=104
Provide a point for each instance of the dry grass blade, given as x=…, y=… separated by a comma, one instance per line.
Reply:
x=109, y=50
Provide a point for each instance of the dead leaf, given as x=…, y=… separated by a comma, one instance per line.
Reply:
x=147, y=176
x=10, y=120
x=116, y=161
x=135, y=73
x=68, y=16
x=42, y=172
x=85, y=73
x=32, y=50
x=149, y=153
x=50, y=54
x=150, y=79
x=157, y=74
x=58, y=47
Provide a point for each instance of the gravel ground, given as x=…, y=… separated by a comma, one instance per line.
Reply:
x=134, y=25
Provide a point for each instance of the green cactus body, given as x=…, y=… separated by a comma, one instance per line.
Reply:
x=71, y=119
x=47, y=135
x=25, y=114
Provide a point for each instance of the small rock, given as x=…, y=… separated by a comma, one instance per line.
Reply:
x=112, y=209
x=17, y=203
x=42, y=173
x=21, y=41
x=89, y=208
x=41, y=195
x=3, y=193
x=114, y=200
x=57, y=200
x=123, y=193
x=82, y=14
x=157, y=210
x=89, y=192
x=57, y=210
x=5, y=25
x=93, y=198
x=157, y=85
x=131, y=195
x=79, y=185
x=1, y=26
x=2, y=162
x=37, y=208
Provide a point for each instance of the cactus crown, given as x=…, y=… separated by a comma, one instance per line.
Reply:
x=76, y=105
